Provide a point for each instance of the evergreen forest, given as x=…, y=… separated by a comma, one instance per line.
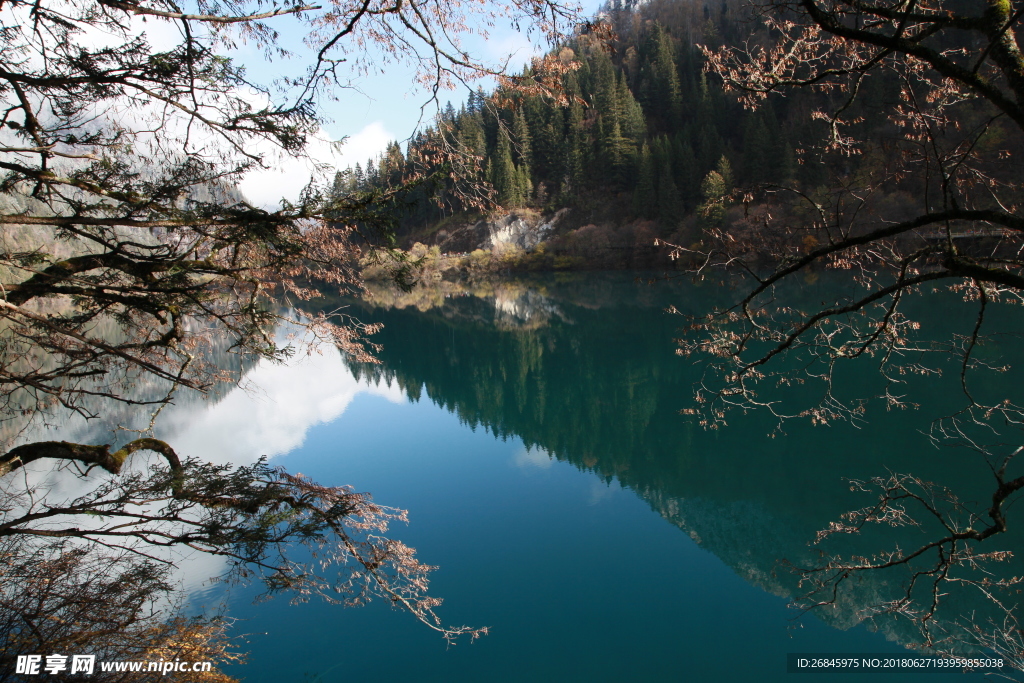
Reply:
x=645, y=144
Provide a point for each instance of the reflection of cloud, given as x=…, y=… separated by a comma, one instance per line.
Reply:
x=272, y=417
x=537, y=457
x=288, y=176
x=600, y=491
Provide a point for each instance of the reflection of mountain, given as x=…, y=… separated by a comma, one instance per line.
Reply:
x=25, y=416
x=99, y=416
x=594, y=380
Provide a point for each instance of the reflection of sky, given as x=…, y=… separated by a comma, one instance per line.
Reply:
x=533, y=457
x=579, y=578
x=271, y=411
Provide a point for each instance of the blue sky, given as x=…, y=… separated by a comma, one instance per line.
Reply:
x=380, y=106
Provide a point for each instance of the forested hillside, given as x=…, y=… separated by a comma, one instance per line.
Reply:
x=648, y=145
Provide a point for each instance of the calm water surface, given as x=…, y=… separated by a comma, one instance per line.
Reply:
x=533, y=433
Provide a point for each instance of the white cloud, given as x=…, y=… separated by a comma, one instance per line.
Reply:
x=370, y=141
x=288, y=175
x=515, y=47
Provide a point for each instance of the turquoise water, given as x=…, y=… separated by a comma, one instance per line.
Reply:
x=534, y=436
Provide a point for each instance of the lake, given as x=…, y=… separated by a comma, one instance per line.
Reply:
x=533, y=431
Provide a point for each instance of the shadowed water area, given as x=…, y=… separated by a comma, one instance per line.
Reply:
x=533, y=431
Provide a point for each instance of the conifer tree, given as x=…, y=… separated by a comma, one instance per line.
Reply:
x=687, y=173
x=391, y=165
x=632, y=119
x=786, y=160
x=618, y=153
x=667, y=94
x=645, y=197
x=547, y=148
x=524, y=186
x=714, y=189
x=522, y=151
x=669, y=206
x=504, y=178
x=708, y=147
x=481, y=100
x=757, y=150
x=342, y=183
x=724, y=169
x=605, y=89
x=471, y=134
x=574, y=150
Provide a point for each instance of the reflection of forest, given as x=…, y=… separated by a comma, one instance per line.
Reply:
x=24, y=419
x=590, y=376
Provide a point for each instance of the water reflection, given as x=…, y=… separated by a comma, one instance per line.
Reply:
x=268, y=413
x=545, y=540
x=583, y=370
x=271, y=411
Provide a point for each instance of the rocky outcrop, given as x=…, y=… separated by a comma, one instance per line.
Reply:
x=520, y=229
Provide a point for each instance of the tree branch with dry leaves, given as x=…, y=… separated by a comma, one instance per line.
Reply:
x=919, y=108
x=129, y=261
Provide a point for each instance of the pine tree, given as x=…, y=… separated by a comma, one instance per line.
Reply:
x=618, y=153
x=573, y=164
x=571, y=84
x=547, y=146
x=503, y=173
x=781, y=159
x=359, y=178
x=786, y=168
x=724, y=169
x=709, y=147
x=605, y=89
x=342, y=184
x=757, y=150
x=522, y=151
x=713, y=189
x=391, y=165
x=705, y=117
x=687, y=174
x=574, y=150
x=665, y=77
x=471, y=135
x=634, y=126
x=524, y=187
x=645, y=197
x=670, y=209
